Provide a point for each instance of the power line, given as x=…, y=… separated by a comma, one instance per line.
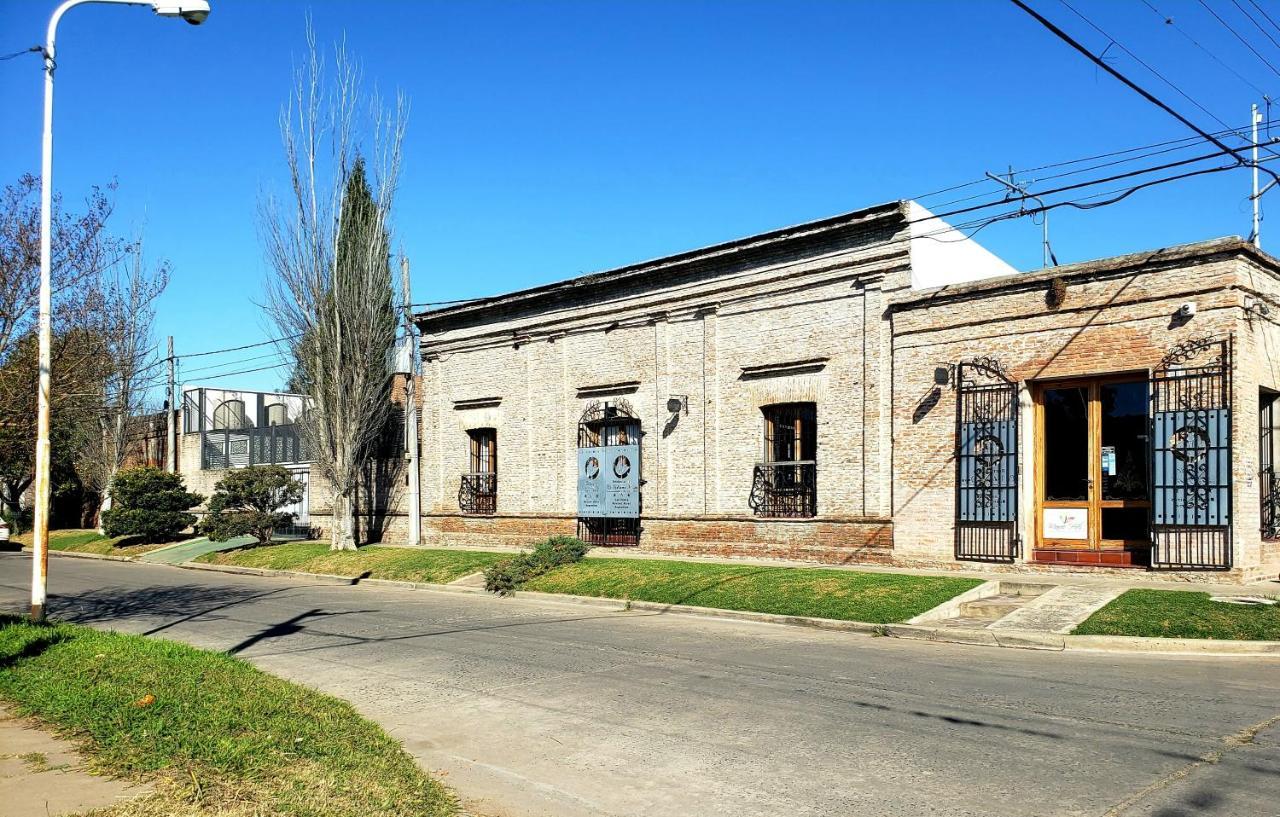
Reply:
x=239, y=348
x=244, y=371
x=1263, y=12
x=1147, y=95
x=1169, y=22
x=1249, y=17
x=1144, y=64
x=235, y=362
x=35, y=49
x=1236, y=34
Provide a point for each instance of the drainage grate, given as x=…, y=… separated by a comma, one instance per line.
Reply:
x=1247, y=601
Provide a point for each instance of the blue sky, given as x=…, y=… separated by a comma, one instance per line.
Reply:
x=550, y=139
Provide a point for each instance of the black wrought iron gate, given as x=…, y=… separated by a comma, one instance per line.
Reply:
x=986, y=521
x=1191, y=457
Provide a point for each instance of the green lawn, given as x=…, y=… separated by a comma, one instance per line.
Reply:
x=878, y=598
x=212, y=734
x=90, y=541
x=1182, y=614
x=401, y=564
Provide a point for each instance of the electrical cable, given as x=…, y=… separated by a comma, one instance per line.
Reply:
x=240, y=348
x=1145, y=94
x=236, y=362
x=35, y=49
x=1144, y=64
x=1245, y=42
x=1263, y=12
x=1169, y=22
x=1249, y=17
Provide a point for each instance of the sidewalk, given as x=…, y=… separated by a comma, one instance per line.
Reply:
x=41, y=774
x=192, y=549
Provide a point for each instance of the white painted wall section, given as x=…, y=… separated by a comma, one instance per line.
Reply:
x=942, y=255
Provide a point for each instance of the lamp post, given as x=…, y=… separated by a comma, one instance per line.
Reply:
x=194, y=12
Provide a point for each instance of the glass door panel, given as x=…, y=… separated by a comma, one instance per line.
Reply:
x=1124, y=454
x=1066, y=444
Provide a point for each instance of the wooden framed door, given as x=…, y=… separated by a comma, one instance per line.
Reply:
x=1092, y=461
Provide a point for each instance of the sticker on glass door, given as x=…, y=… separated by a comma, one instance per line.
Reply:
x=1066, y=523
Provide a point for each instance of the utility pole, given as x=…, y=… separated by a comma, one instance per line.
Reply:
x=411, y=411
x=171, y=438
x=1254, y=118
x=1044, y=214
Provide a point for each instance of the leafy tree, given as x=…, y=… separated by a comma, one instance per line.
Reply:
x=248, y=500
x=149, y=503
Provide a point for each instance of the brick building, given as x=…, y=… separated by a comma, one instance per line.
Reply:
x=873, y=387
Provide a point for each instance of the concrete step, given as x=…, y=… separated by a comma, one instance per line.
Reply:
x=993, y=607
x=1026, y=589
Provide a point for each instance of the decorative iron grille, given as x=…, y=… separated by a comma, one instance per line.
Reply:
x=252, y=446
x=478, y=494
x=785, y=489
x=1191, y=457
x=610, y=423
x=986, y=522
x=1269, y=482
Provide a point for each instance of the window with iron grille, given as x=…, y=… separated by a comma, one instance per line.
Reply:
x=1268, y=483
x=785, y=482
x=479, y=490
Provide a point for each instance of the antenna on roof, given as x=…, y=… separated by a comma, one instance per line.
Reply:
x=1021, y=190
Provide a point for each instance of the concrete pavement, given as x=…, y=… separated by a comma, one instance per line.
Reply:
x=537, y=709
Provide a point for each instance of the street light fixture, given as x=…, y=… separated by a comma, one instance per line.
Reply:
x=194, y=12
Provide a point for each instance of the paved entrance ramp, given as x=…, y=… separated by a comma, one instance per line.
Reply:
x=1058, y=610
x=984, y=606
x=193, y=549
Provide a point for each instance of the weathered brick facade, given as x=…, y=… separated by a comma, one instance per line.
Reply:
x=696, y=344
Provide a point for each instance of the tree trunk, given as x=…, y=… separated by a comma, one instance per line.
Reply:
x=344, y=537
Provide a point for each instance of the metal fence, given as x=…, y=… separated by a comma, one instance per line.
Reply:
x=239, y=448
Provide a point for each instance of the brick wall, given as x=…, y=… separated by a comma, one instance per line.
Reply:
x=684, y=338
x=1118, y=316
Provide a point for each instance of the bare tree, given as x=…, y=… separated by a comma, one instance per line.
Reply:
x=82, y=249
x=121, y=316
x=332, y=292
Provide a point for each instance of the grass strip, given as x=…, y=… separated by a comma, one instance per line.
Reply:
x=877, y=598
x=212, y=734
x=434, y=566
x=1182, y=614
x=90, y=541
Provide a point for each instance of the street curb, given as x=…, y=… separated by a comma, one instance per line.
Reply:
x=105, y=557
x=1006, y=639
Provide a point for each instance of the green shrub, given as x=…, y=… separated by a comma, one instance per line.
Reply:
x=19, y=521
x=149, y=503
x=248, y=500
x=505, y=577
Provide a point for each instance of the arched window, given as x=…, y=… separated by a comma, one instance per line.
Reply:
x=229, y=415
x=278, y=415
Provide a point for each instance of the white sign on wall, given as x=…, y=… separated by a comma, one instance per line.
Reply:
x=1066, y=523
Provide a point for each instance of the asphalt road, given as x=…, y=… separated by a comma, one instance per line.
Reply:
x=536, y=709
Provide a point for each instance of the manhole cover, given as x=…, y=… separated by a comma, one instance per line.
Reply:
x=1244, y=600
